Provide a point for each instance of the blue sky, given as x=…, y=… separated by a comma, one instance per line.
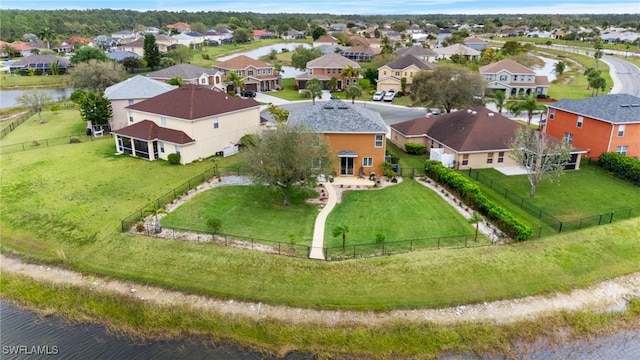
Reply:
x=363, y=7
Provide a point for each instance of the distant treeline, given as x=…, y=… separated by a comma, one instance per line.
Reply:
x=62, y=24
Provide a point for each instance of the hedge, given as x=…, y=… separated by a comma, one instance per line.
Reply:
x=471, y=195
x=622, y=166
x=415, y=149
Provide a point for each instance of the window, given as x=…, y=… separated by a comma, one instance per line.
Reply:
x=552, y=113
x=177, y=149
x=465, y=159
x=130, y=101
x=203, y=81
x=310, y=71
x=216, y=123
x=163, y=121
x=501, y=157
x=130, y=116
x=161, y=147
x=379, y=140
x=579, y=123
x=568, y=138
x=515, y=77
x=367, y=161
x=490, y=158
x=622, y=149
x=621, y=130
x=503, y=77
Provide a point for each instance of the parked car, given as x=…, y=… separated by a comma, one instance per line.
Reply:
x=248, y=93
x=389, y=95
x=378, y=95
x=433, y=112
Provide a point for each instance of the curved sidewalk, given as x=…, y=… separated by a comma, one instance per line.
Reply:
x=317, y=245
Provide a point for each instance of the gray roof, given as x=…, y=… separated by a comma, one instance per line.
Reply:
x=613, y=108
x=184, y=71
x=337, y=116
x=121, y=55
x=408, y=60
x=137, y=87
x=416, y=50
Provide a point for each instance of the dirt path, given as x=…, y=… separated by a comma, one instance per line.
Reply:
x=610, y=295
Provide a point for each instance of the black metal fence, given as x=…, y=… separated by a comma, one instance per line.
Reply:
x=14, y=123
x=38, y=144
x=554, y=225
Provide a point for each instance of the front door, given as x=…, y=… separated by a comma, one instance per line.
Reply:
x=346, y=166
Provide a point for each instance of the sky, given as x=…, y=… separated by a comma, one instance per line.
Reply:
x=362, y=7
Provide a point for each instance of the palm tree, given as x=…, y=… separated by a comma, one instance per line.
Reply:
x=332, y=83
x=528, y=104
x=349, y=72
x=597, y=84
x=353, y=91
x=46, y=35
x=476, y=219
x=499, y=98
x=341, y=230
x=236, y=80
x=560, y=67
x=8, y=49
x=313, y=88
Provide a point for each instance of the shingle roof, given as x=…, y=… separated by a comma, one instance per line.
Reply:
x=468, y=130
x=458, y=49
x=408, y=60
x=326, y=38
x=185, y=71
x=506, y=64
x=121, y=55
x=148, y=130
x=336, y=116
x=417, y=51
x=612, y=108
x=192, y=102
x=137, y=87
x=41, y=59
x=474, y=40
x=332, y=61
x=241, y=62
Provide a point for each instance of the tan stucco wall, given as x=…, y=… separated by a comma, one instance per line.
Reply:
x=363, y=145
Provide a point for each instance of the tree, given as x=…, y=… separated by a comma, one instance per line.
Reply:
x=151, y=51
x=287, y=158
x=241, y=36
x=596, y=84
x=403, y=85
x=95, y=75
x=512, y=48
x=180, y=54
x=280, y=115
x=86, y=53
x=353, y=91
x=236, y=80
x=351, y=73
x=560, y=67
x=447, y=87
x=95, y=108
x=500, y=99
x=131, y=63
x=541, y=156
x=301, y=56
x=178, y=81
x=371, y=74
x=8, y=49
x=46, y=34
x=598, y=53
x=528, y=104
x=332, y=84
x=214, y=224
x=317, y=32
x=313, y=89
x=591, y=73
x=386, y=46
x=36, y=101
x=341, y=230
x=476, y=219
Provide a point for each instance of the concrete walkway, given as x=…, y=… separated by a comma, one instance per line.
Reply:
x=317, y=245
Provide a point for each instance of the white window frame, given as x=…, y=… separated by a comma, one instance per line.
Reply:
x=490, y=156
x=131, y=101
x=622, y=149
x=161, y=144
x=177, y=149
x=130, y=115
x=163, y=120
x=367, y=161
x=465, y=159
x=216, y=123
x=503, y=77
x=580, y=121
x=621, y=129
x=500, y=157
x=568, y=138
x=552, y=113
x=379, y=139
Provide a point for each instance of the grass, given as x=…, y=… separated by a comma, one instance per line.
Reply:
x=11, y=82
x=586, y=192
x=405, y=160
x=56, y=124
x=125, y=315
x=248, y=211
x=404, y=211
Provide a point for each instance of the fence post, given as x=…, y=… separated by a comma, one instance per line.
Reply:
x=47, y=142
x=611, y=219
x=465, y=241
x=383, y=248
x=580, y=226
x=411, y=245
x=354, y=251
x=506, y=191
x=629, y=216
x=560, y=228
x=600, y=220
x=438, y=243
x=279, y=247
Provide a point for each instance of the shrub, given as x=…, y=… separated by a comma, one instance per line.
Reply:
x=35, y=143
x=214, y=224
x=415, y=149
x=139, y=227
x=380, y=238
x=622, y=166
x=74, y=140
x=174, y=159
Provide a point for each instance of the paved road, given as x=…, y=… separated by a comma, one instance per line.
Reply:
x=626, y=76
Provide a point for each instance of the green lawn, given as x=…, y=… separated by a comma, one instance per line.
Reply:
x=8, y=81
x=56, y=124
x=586, y=192
x=248, y=211
x=405, y=160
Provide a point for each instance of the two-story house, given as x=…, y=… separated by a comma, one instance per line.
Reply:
x=180, y=27
x=609, y=123
x=325, y=67
x=192, y=121
x=325, y=40
x=355, y=134
x=420, y=52
x=476, y=43
x=406, y=67
x=190, y=74
x=514, y=79
x=255, y=74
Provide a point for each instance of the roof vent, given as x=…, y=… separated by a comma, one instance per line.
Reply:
x=491, y=114
x=327, y=106
x=635, y=105
x=624, y=105
x=469, y=111
x=474, y=112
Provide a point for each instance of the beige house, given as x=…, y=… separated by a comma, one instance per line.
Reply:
x=420, y=52
x=325, y=40
x=514, y=79
x=137, y=46
x=192, y=121
x=190, y=74
x=390, y=75
x=256, y=75
x=457, y=49
x=325, y=67
x=129, y=92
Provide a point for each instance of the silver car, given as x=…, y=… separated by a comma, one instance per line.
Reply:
x=378, y=95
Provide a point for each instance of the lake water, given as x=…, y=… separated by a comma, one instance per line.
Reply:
x=287, y=71
x=8, y=98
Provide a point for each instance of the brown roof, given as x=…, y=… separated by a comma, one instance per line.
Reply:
x=192, y=102
x=542, y=80
x=331, y=61
x=474, y=40
x=178, y=25
x=506, y=64
x=468, y=130
x=148, y=130
x=241, y=62
x=326, y=38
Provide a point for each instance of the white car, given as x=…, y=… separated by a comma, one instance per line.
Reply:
x=389, y=95
x=378, y=95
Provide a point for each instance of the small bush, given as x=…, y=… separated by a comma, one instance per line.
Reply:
x=415, y=149
x=140, y=227
x=380, y=238
x=174, y=159
x=214, y=224
x=622, y=166
x=74, y=140
x=35, y=143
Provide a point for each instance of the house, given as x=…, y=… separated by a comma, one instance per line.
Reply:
x=180, y=27
x=358, y=40
x=457, y=49
x=256, y=75
x=164, y=42
x=355, y=134
x=23, y=49
x=124, y=35
x=324, y=68
x=325, y=40
x=190, y=74
x=609, y=123
x=130, y=92
x=192, y=121
x=514, y=79
x=476, y=43
x=360, y=53
x=186, y=40
x=474, y=138
x=420, y=52
x=41, y=64
x=406, y=67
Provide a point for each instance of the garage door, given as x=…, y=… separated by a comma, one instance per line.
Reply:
x=253, y=87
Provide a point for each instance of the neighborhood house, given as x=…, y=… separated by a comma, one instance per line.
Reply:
x=514, y=79
x=326, y=67
x=255, y=74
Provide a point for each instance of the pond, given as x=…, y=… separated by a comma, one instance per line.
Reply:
x=8, y=98
x=287, y=71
